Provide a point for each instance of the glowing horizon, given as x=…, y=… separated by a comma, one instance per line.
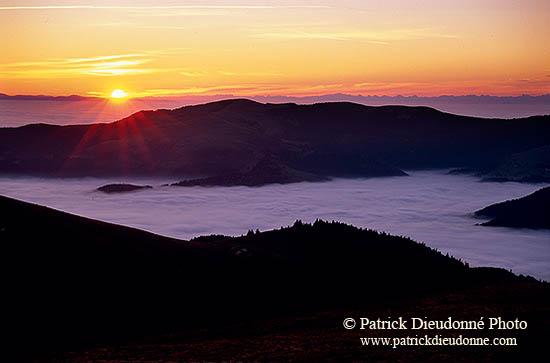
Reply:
x=290, y=48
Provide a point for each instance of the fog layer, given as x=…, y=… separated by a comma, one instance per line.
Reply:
x=430, y=207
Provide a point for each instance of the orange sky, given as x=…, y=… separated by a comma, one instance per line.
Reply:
x=168, y=48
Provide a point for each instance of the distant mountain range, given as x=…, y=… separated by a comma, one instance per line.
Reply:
x=338, y=97
x=231, y=137
x=44, y=97
x=411, y=100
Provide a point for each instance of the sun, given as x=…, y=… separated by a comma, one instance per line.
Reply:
x=118, y=93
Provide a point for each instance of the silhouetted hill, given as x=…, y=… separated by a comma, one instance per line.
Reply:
x=74, y=282
x=228, y=137
x=529, y=166
x=121, y=188
x=266, y=171
x=531, y=211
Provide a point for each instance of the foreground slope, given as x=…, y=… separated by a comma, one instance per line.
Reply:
x=231, y=136
x=319, y=336
x=73, y=282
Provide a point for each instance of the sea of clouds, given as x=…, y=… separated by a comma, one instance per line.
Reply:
x=428, y=206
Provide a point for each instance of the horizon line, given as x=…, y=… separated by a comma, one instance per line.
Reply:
x=167, y=97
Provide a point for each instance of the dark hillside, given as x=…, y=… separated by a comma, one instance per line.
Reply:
x=531, y=211
x=73, y=282
x=231, y=136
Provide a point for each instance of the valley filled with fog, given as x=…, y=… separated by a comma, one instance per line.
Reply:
x=428, y=206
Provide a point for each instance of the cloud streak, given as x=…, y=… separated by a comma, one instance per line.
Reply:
x=244, y=89
x=109, y=65
x=375, y=37
x=110, y=7
x=108, y=57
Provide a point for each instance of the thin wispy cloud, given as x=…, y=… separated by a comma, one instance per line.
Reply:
x=167, y=51
x=131, y=7
x=245, y=90
x=109, y=65
x=250, y=74
x=80, y=60
x=301, y=35
x=116, y=71
x=70, y=61
x=375, y=37
x=191, y=74
x=172, y=13
x=195, y=90
x=101, y=65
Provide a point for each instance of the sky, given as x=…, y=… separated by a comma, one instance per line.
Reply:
x=293, y=48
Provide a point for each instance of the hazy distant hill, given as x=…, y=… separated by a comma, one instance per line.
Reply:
x=4, y=96
x=336, y=97
x=412, y=100
x=225, y=137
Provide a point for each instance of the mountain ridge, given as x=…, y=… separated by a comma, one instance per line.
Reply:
x=334, y=139
x=334, y=97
